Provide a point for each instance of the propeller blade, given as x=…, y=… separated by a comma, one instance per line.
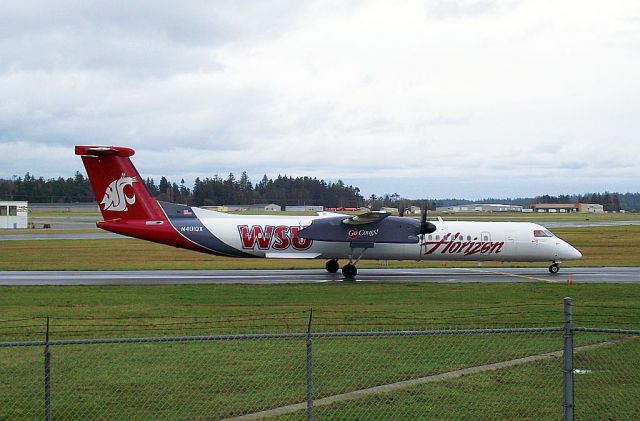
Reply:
x=426, y=227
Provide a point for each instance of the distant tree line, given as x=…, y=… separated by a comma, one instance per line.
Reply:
x=283, y=191
x=208, y=191
x=37, y=189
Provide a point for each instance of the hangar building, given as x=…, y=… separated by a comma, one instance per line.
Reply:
x=567, y=207
x=13, y=215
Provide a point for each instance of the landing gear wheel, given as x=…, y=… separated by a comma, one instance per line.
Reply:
x=554, y=268
x=349, y=271
x=332, y=266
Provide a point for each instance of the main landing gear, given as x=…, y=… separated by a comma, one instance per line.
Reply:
x=554, y=268
x=349, y=271
x=332, y=266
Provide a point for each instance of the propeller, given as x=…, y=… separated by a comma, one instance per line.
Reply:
x=426, y=227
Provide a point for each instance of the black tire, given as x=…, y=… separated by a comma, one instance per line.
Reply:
x=332, y=266
x=349, y=271
x=554, y=268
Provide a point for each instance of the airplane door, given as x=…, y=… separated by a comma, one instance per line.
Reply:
x=485, y=236
x=511, y=243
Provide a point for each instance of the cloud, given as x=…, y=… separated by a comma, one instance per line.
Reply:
x=420, y=97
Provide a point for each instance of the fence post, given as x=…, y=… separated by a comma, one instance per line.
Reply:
x=47, y=376
x=309, y=370
x=568, y=360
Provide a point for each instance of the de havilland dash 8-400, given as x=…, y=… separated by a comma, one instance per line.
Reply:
x=128, y=209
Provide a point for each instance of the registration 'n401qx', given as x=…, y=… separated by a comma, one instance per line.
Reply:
x=128, y=209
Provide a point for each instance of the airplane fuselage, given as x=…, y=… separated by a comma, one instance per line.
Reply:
x=128, y=209
x=267, y=236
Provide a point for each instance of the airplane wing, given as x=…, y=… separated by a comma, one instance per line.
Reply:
x=373, y=227
x=365, y=218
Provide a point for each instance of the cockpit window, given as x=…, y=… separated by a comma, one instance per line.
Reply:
x=542, y=233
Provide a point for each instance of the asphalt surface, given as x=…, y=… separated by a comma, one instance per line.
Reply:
x=437, y=275
x=43, y=235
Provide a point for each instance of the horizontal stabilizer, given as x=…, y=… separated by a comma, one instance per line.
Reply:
x=104, y=150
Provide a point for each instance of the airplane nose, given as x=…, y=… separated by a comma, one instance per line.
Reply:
x=576, y=253
x=570, y=252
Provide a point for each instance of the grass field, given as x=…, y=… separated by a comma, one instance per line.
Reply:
x=600, y=246
x=95, y=310
x=212, y=380
x=46, y=214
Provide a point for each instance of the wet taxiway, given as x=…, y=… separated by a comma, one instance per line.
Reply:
x=437, y=275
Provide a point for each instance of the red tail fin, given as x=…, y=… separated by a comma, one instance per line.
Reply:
x=119, y=189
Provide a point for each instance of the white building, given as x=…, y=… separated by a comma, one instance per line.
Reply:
x=13, y=215
x=272, y=207
x=480, y=207
x=304, y=208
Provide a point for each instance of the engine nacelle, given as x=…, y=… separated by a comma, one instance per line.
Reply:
x=389, y=230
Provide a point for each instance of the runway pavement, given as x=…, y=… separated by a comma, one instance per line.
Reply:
x=98, y=235
x=437, y=275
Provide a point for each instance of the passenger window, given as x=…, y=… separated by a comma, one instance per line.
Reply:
x=486, y=238
x=430, y=237
x=468, y=238
x=437, y=237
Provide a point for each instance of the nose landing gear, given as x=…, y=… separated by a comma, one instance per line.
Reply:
x=554, y=268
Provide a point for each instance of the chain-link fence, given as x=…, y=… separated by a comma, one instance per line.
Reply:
x=547, y=372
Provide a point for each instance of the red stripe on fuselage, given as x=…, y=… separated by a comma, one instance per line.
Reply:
x=163, y=233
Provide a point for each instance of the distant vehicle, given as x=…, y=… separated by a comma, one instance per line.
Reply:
x=128, y=209
x=342, y=209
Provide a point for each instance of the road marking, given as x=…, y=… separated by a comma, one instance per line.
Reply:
x=514, y=275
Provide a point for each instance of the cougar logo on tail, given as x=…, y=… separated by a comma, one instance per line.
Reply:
x=114, y=198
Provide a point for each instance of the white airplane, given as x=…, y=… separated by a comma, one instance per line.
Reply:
x=128, y=209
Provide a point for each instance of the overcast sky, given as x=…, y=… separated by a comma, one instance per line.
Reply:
x=421, y=98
